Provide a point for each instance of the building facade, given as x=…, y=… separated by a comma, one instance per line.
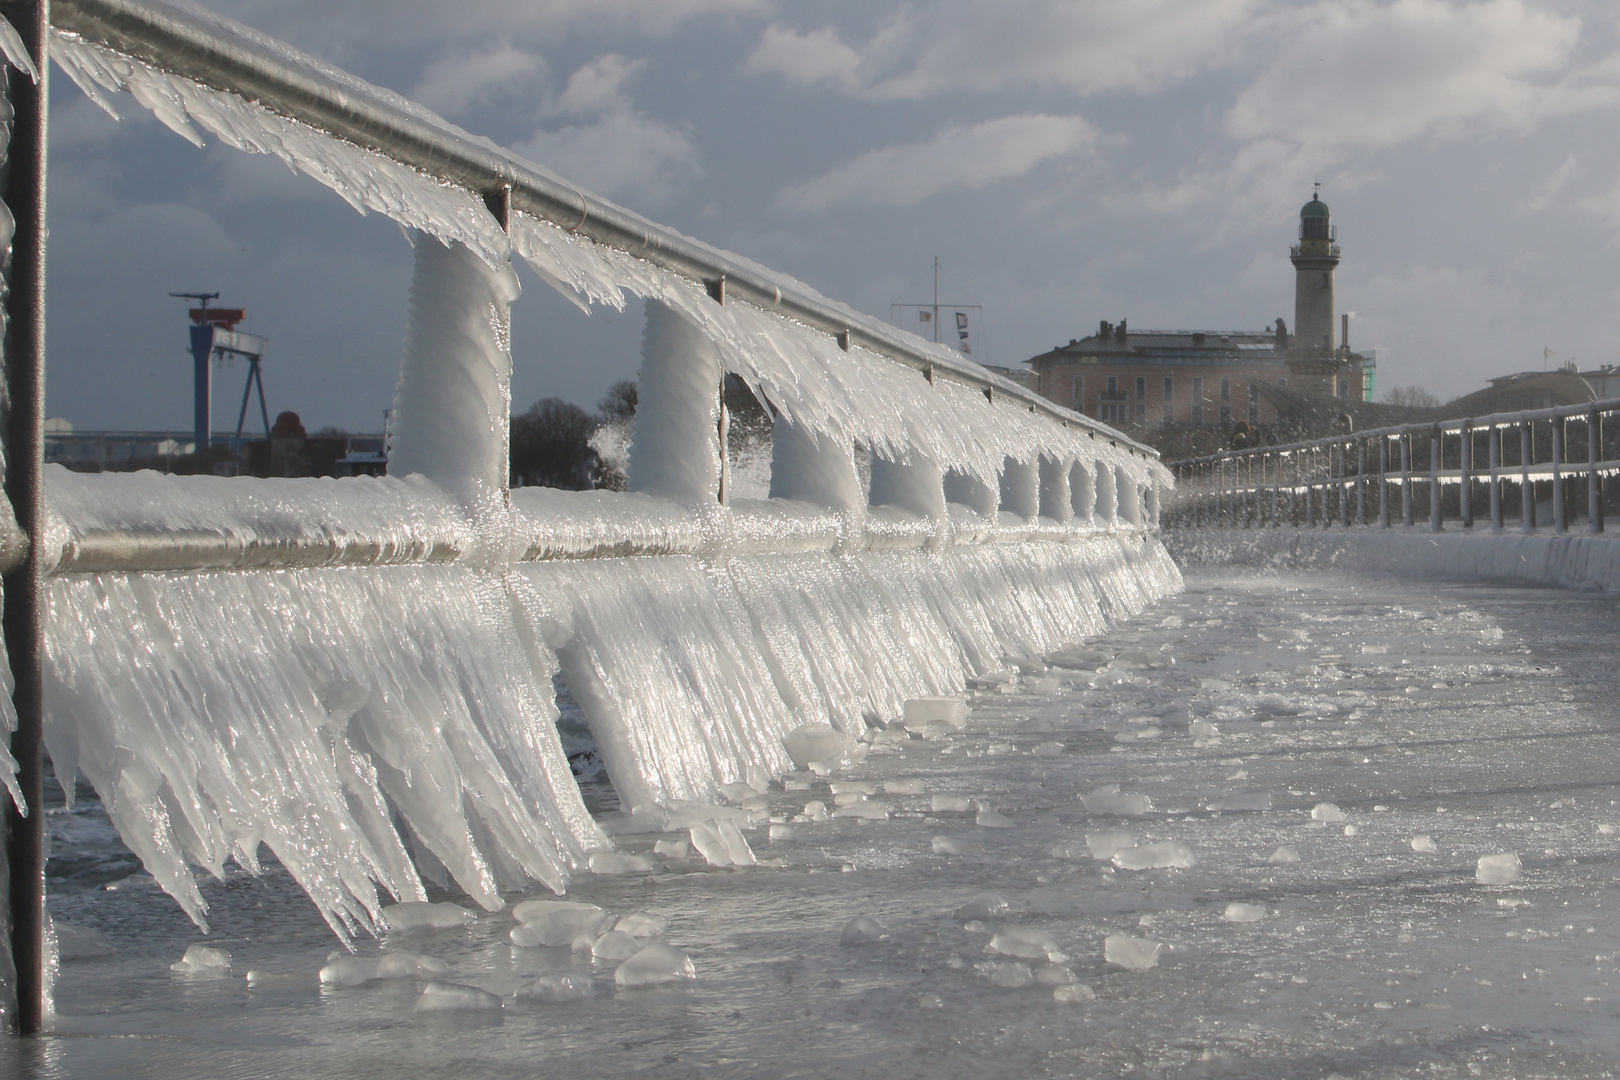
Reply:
x=1154, y=379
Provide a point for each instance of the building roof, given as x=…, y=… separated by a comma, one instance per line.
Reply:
x=1214, y=347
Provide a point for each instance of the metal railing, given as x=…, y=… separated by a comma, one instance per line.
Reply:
x=1537, y=469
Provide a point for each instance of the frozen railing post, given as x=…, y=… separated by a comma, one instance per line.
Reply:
x=452, y=410
x=1020, y=489
x=674, y=446
x=24, y=612
x=814, y=469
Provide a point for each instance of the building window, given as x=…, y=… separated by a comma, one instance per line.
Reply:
x=1254, y=404
x=1113, y=413
x=1078, y=401
x=1169, y=400
x=1198, y=401
x=1141, y=413
x=1141, y=388
x=1113, y=386
x=1226, y=390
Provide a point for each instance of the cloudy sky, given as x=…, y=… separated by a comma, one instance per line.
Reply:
x=1067, y=162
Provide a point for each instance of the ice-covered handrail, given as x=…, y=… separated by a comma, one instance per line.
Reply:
x=1347, y=479
x=226, y=56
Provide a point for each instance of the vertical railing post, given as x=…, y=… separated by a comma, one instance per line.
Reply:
x=1308, y=467
x=1559, y=510
x=1383, y=481
x=1594, y=482
x=1361, y=481
x=1406, y=479
x=1465, y=493
x=1496, y=477
x=1527, y=493
x=1344, y=485
x=1436, y=458
x=24, y=605
x=1276, y=488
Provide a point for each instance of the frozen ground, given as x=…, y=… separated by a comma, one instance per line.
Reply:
x=1481, y=718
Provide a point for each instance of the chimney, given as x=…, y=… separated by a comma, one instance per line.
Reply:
x=1344, y=332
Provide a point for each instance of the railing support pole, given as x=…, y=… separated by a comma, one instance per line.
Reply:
x=1406, y=479
x=25, y=599
x=1361, y=482
x=1344, y=485
x=1560, y=510
x=1527, y=493
x=1496, y=477
x=1465, y=493
x=1383, y=481
x=1594, y=482
x=1435, y=459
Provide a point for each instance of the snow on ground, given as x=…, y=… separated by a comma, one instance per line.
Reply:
x=1368, y=742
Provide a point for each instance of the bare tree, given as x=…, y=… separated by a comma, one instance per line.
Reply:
x=550, y=445
x=1413, y=397
x=619, y=403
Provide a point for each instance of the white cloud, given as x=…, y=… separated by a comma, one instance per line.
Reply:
x=621, y=152
x=990, y=45
x=1547, y=192
x=956, y=157
x=599, y=86
x=453, y=83
x=1353, y=73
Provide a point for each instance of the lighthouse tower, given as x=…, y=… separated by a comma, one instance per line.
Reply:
x=1315, y=257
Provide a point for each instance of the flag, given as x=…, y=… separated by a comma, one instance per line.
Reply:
x=962, y=333
x=925, y=316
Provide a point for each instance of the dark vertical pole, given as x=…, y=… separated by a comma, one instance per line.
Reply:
x=1594, y=481
x=24, y=610
x=1383, y=481
x=202, y=379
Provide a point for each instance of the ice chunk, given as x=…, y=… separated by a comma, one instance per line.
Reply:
x=1131, y=953
x=950, y=845
x=817, y=742
x=863, y=930
x=1499, y=869
x=79, y=942
x=1203, y=729
x=1027, y=943
x=930, y=1001
x=440, y=996
x=852, y=787
x=950, y=711
x=1111, y=800
x=614, y=946
x=409, y=965
x=202, y=958
x=867, y=811
x=672, y=849
x=950, y=804
x=986, y=905
x=990, y=819
x=1074, y=994
x=1048, y=749
x=349, y=971
x=848, y=798
x=616, y=862
x=781, y=832
x=1012, y=976
x=1103, y=845
x=1044, y=686
x=1326, y=811
x=1246, y=800
x=1423, y=842
x=553, y=923
x=640, y=924
x=815, y=810
x=903, y=787
x=1165, y=853
x=415, y=915
x=656, y=965
x=721, y=843
x=1283, y=855
x=1053, y=975
x=1236, y=912
x=558, y=986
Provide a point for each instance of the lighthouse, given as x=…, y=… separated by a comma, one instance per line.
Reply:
x=1315, y=258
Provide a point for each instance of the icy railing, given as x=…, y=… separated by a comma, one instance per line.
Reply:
x=1429, y=472
x=358, y=674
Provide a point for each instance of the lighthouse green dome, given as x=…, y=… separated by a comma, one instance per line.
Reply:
x=1315, y=208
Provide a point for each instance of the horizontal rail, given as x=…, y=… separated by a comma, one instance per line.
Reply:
x=210, y=54
x=1435, y=472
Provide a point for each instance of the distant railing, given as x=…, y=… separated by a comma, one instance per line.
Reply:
x=1523, y=469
